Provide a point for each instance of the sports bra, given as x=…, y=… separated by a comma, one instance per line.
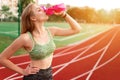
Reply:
x=38, y=51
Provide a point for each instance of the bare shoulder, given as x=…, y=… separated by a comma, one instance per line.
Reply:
x=24, y=39
x=24, y=36
x=53, y=30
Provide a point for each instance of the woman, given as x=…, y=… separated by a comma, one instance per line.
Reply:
x=37, y=41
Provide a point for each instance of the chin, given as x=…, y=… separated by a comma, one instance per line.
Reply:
x=46, y=18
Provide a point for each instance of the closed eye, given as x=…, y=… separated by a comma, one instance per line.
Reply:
x=39, y=10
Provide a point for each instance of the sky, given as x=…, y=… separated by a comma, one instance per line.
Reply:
x=97, y=4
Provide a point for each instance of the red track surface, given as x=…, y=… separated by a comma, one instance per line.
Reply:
x=97, y=58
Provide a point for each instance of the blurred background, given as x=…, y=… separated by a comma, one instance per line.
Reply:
x=92, y=54
x=94, y=16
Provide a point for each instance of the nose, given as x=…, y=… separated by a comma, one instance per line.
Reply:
x=43, y=8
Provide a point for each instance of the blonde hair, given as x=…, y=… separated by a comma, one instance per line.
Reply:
x=26, y=23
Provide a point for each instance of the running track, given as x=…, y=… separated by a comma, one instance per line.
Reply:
x=97, y=58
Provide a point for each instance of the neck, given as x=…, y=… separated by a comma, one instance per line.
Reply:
x=39, y=28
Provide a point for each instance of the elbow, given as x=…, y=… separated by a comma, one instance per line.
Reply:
x=0, y=59
x=78, y=30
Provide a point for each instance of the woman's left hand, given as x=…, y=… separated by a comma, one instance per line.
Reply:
x=30, y=70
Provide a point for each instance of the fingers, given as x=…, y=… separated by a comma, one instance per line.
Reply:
x=34, y=70
x=31, y=70
x=59, y=14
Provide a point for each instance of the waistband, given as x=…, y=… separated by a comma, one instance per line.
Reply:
x=50, y=68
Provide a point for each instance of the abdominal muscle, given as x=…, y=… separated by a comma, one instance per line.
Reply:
x=42, y=64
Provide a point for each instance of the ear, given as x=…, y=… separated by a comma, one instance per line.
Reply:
x=33, y=18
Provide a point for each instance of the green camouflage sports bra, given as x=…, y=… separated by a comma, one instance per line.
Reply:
x=42, y=51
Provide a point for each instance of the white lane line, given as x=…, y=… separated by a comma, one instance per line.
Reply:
x=70, y=52
x=72, y=60
x=98, y=67
x=65, y=50
x=82, y=58
x=60, y=69
x=79, y=55
x=75, y=45
x=102, y=55
x=7, y=78
x=19, y=64
x=14, y=78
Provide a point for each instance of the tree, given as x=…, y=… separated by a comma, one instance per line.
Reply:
x=83, y=14
x=77, y=13
x=22, y=4
x=117, y=16
x=5, y=11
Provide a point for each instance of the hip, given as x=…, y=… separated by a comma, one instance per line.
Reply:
x=43, y=74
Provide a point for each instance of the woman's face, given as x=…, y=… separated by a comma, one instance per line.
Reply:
x=39, y=13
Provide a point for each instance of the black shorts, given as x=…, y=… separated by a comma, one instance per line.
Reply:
x=43, y=74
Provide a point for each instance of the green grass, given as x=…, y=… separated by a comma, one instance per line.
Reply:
x=5, y=41
x=9, y=31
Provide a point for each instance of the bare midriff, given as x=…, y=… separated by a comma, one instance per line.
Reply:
x=42, y=64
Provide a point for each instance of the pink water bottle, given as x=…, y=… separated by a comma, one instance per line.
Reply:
x=56, y=8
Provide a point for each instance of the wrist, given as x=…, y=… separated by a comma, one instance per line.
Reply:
x=63, y=15
x=24, y=72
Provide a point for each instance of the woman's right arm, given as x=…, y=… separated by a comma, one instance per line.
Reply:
x=9, y=51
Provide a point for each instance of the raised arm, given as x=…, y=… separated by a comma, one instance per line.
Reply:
x=74, y=26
